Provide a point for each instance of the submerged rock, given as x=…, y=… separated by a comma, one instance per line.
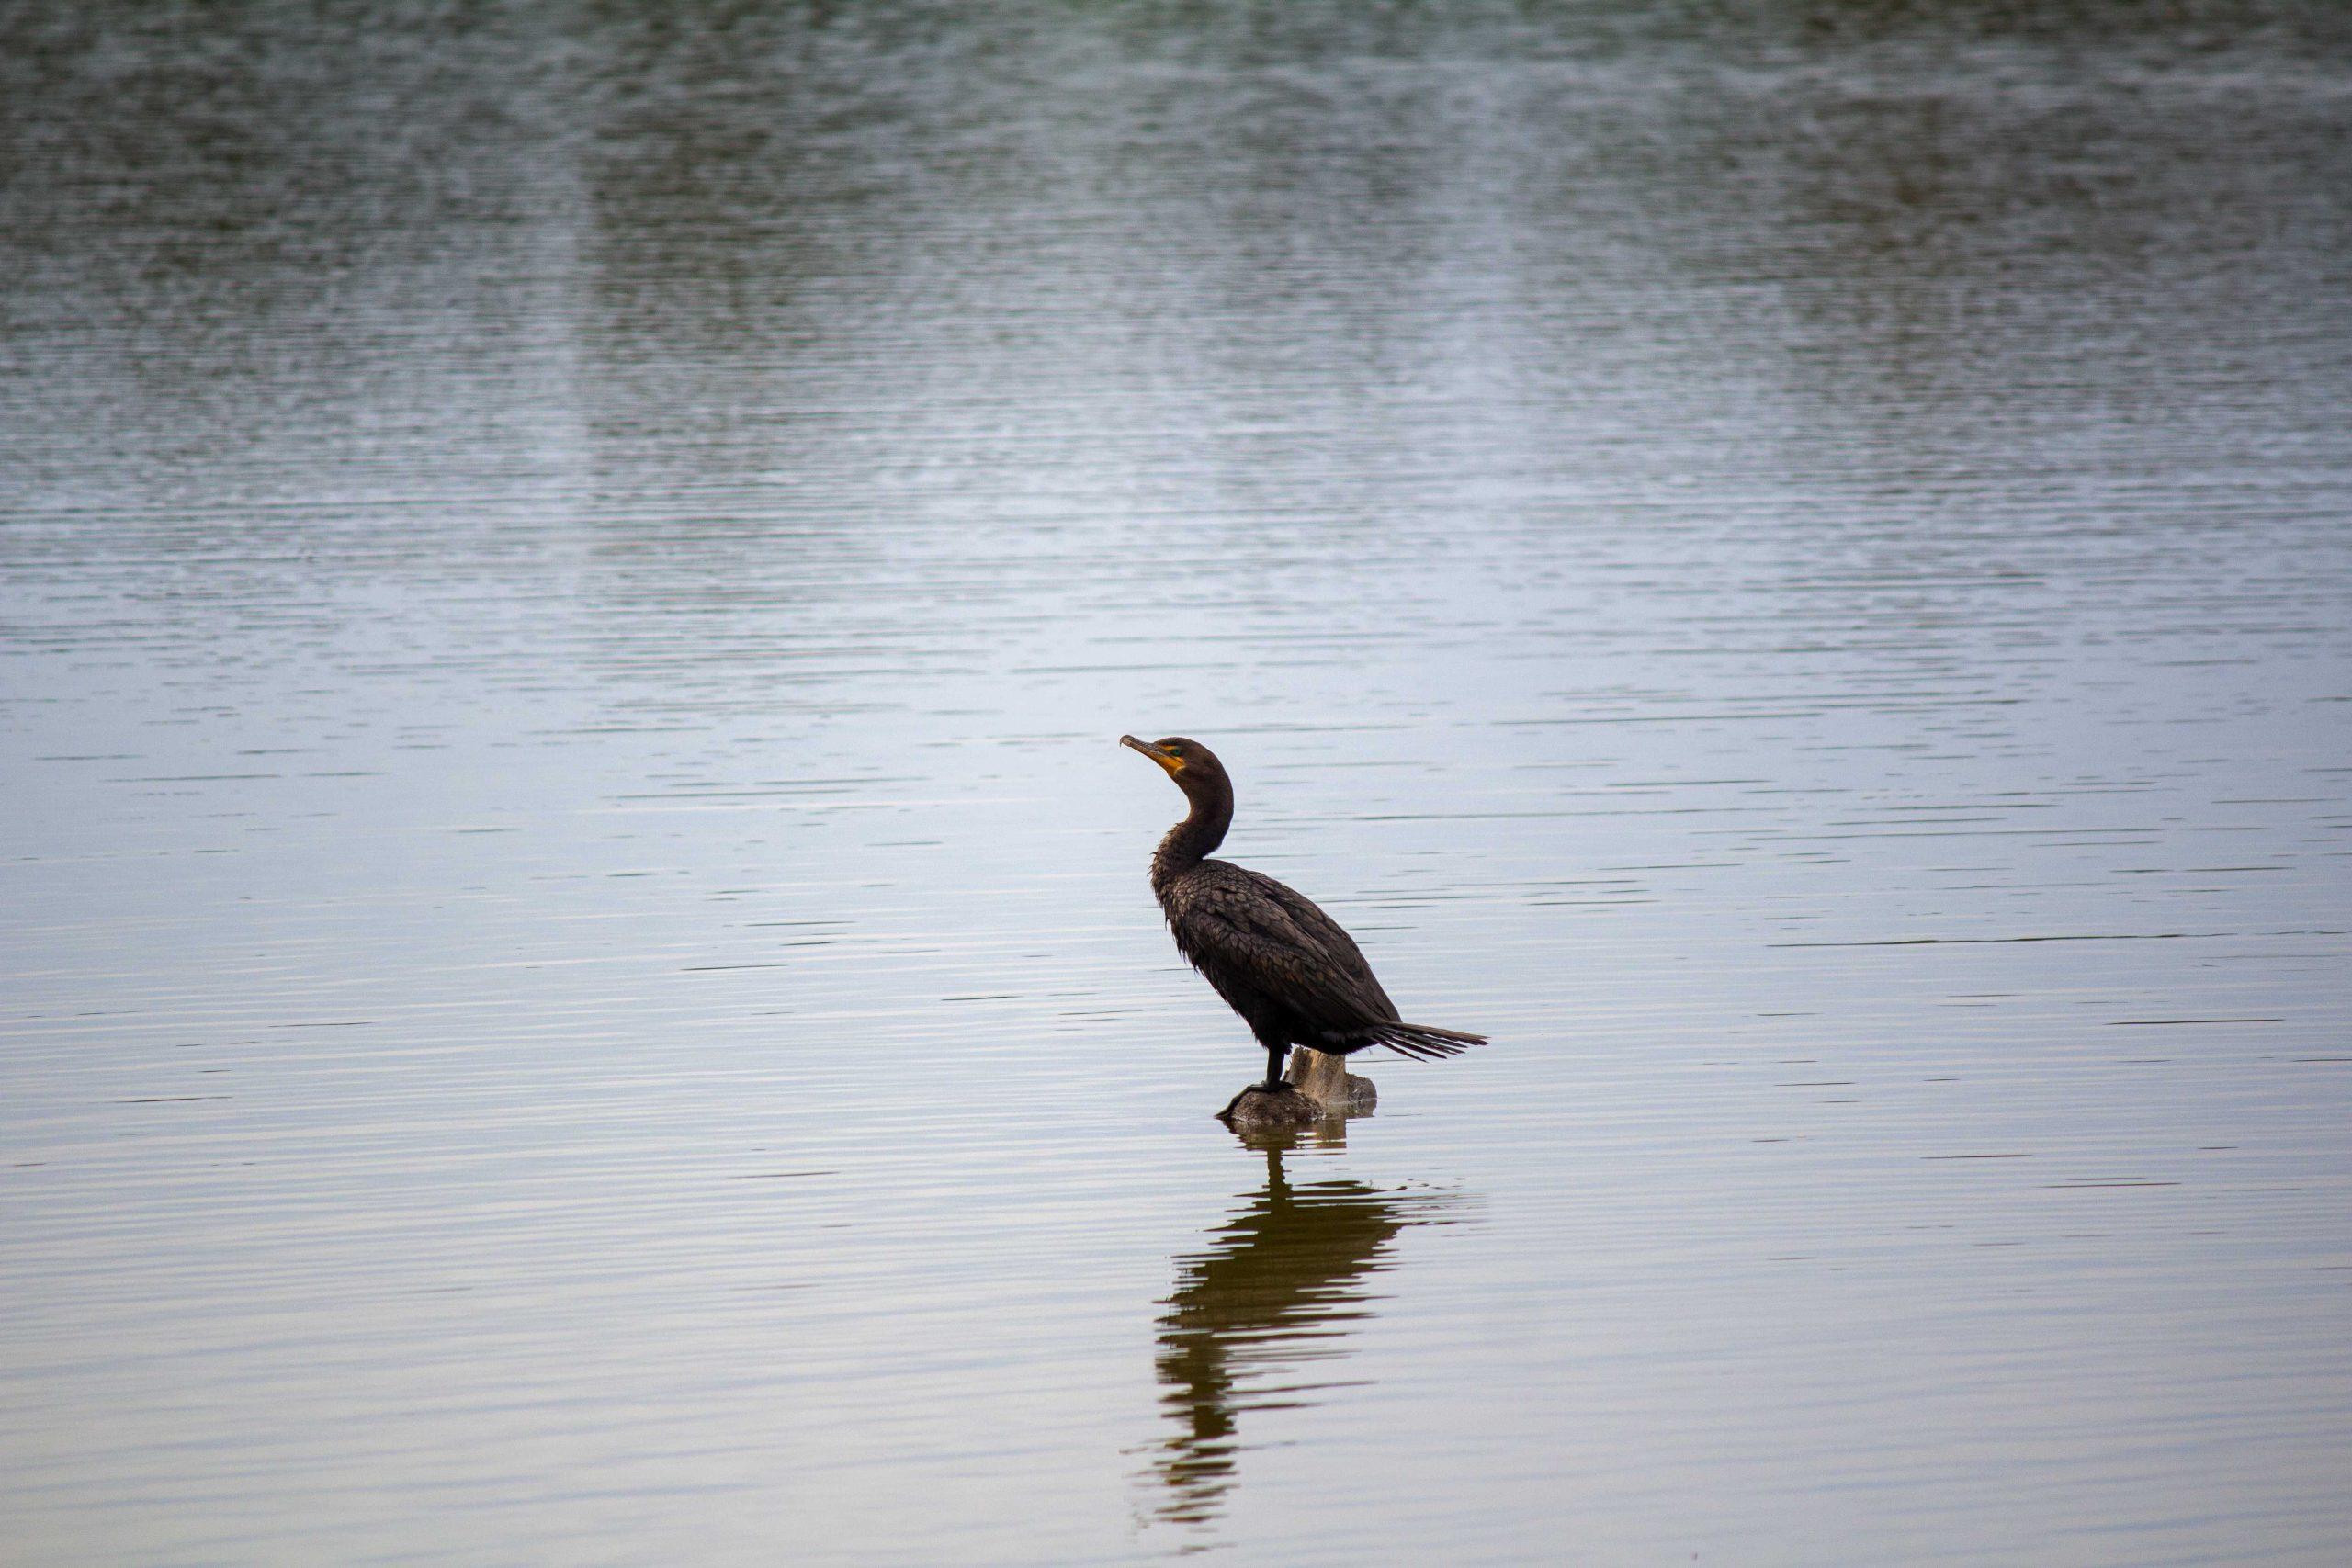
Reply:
x=1316, y=1088
x=1258, y=1107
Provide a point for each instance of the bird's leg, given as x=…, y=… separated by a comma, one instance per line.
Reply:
x=1275, y=1054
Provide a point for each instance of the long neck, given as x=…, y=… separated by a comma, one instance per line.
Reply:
x=1189, y=841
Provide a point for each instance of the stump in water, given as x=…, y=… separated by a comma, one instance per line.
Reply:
x=1327, y=1079
x=1316, y=1085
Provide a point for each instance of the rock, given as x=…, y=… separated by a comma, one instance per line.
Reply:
x=1316, y=1088
x=1325, y=1078
x=1258, y=1107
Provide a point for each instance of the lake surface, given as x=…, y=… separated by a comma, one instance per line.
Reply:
x=579, y=981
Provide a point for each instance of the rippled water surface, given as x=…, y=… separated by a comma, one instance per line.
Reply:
x=579, y=979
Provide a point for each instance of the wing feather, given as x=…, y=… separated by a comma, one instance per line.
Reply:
x=1259, y=942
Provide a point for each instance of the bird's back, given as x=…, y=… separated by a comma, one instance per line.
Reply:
x=1270, y=951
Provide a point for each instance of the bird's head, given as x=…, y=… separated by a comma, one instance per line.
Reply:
x=1192, y=765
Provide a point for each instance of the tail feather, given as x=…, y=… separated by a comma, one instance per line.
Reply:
x=1424, y=1041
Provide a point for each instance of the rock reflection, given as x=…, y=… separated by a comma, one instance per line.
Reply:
x=1272, y=1294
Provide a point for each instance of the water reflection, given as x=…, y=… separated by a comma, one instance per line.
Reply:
x=1269, y=1299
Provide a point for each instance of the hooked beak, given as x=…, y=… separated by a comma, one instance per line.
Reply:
x=1162, y=758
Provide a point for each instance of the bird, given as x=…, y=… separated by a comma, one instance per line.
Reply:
x=1283, y=965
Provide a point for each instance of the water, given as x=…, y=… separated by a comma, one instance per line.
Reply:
x=580, y=984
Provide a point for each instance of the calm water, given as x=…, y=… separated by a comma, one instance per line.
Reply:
x=579, y=980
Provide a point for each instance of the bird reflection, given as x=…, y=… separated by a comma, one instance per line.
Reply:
x=1273, y=1292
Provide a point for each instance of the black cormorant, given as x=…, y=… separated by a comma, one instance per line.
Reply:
x=1283, y=965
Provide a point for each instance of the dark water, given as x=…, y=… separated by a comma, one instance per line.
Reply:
x=579, y=981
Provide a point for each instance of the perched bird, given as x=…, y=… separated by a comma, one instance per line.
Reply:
x=1283, y=965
